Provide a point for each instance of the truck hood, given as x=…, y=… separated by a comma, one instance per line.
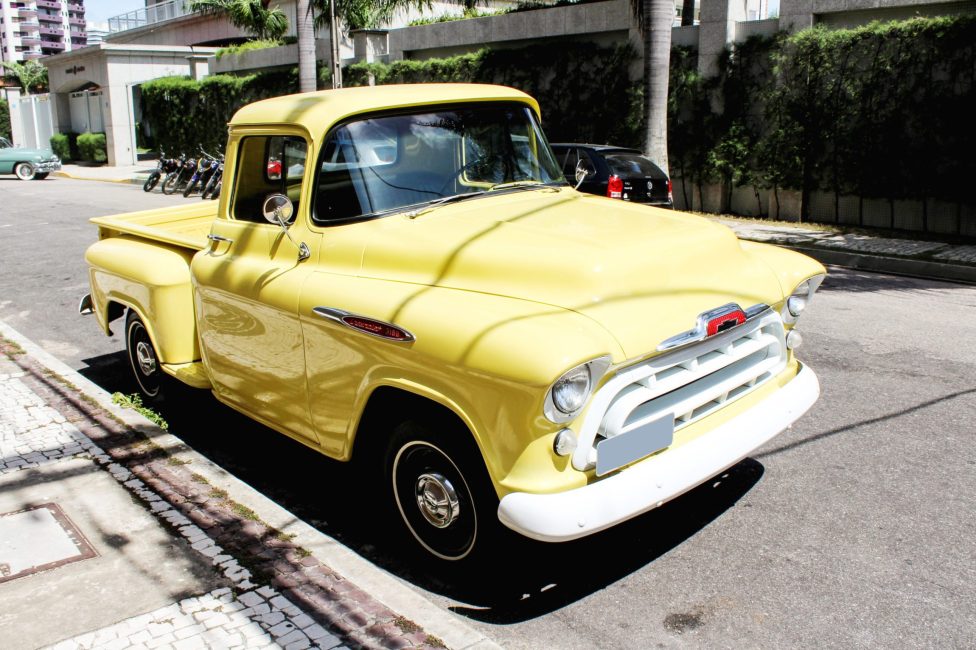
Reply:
x=643, y=273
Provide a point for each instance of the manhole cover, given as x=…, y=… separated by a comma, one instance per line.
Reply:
x=37, y=539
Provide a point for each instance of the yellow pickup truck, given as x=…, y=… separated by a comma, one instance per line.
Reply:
x=402, y=276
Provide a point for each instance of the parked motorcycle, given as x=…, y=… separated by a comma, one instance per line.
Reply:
x=177, y=178
x=163, y=166
x=206, y=166
x=212, y=188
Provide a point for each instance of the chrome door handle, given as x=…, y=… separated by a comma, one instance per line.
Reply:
x=218, y=238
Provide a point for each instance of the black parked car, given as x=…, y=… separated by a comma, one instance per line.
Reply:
x=620, y=173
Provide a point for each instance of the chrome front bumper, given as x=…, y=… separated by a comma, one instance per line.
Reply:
x=650, y=483
x=48, y=166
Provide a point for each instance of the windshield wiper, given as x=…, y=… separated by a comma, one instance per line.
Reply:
x=430, y=205
x=521, y=185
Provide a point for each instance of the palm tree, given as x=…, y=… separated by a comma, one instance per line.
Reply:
x=252, y=16
x=306, y=46
x=654, y=19
x=29, y=74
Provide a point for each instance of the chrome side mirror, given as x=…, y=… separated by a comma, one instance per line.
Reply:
x=278, y=209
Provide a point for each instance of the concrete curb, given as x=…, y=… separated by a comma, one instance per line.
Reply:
x=884, y=264
x=380, y=584
x=131, y=180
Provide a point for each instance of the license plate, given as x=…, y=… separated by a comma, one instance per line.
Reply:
x=613, y=453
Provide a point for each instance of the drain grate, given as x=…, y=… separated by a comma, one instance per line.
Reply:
x=37, y=539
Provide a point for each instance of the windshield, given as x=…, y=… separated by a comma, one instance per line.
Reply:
x=383, y=164
x=5, y=144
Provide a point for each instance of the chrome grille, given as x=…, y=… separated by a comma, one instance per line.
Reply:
x=688, y=383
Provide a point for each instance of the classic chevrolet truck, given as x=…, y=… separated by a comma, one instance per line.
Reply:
x=402, y=276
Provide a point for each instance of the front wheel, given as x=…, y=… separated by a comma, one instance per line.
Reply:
x=192, y=185
x=24, y=171
x=143, y=358
x=441, y=490
x=150, y=182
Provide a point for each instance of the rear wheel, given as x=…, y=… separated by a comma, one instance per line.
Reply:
x=440, y=489
x=170, y=182
x=24, y=171
x=143, y=358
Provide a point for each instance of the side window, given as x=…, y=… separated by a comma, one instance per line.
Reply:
x=268, y=165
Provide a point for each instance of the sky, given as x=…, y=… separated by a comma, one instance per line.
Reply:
x=99, y=11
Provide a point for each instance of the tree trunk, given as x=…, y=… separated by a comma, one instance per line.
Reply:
x=687, y=12
x=658, y=16
x=306, y=47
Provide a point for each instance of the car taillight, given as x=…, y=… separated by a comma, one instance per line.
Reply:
x=615, y=187
x=670, y=193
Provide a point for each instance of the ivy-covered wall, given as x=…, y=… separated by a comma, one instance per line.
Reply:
x=885, y=111
x=879, y=112
x=582, y=88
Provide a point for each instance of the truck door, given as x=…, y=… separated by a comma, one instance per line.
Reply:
x=247, y=286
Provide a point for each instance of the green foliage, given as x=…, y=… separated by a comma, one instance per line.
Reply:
x=185, y=114
x=4, y=119
x=881, y=111
x=60, y=146
x=252, y=16
x=249, y=46
x=31, y=76
x=582, y=88
x=91, y=146
x=449, y=18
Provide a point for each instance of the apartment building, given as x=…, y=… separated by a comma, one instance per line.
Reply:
x=30, y=29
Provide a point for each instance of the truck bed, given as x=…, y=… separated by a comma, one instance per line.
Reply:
x=184, y=226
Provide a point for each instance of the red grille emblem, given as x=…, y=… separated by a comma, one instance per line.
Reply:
x=724, y=322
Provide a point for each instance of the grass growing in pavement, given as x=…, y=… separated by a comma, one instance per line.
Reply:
x=134, y=402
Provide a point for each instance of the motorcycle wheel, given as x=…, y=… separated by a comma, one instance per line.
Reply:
x=150, y=182
x=192, y=185
x=170, y=182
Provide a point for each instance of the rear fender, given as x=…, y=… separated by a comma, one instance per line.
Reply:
x=152, y=279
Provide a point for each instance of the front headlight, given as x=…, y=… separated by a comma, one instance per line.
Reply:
x=800, y=298
x=568, y=395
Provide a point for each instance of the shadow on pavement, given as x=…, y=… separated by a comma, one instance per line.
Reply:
x=528, y=578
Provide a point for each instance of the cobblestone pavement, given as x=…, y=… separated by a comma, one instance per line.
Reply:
x=280, y=595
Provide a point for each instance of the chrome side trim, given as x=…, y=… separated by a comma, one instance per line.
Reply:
x=700, y=332
x=340, y=316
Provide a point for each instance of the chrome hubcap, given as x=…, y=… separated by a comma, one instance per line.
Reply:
x=145, y=357
x=437, y=500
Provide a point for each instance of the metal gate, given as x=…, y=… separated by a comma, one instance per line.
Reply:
x=33, y=113
x=85, y=107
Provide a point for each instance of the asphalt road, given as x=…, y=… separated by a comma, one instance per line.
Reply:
x=854, y=528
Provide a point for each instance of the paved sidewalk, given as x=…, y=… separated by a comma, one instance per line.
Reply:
x=113, y=534
x=918, y=258
x=122, y=174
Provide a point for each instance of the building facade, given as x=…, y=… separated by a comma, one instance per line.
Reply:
x=30, y=29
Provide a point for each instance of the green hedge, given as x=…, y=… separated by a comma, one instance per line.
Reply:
x=4, y=119
x=91, y=146
x=185, y=114
x=60, y=146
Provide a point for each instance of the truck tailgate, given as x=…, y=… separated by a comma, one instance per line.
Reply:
x=185, y=226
